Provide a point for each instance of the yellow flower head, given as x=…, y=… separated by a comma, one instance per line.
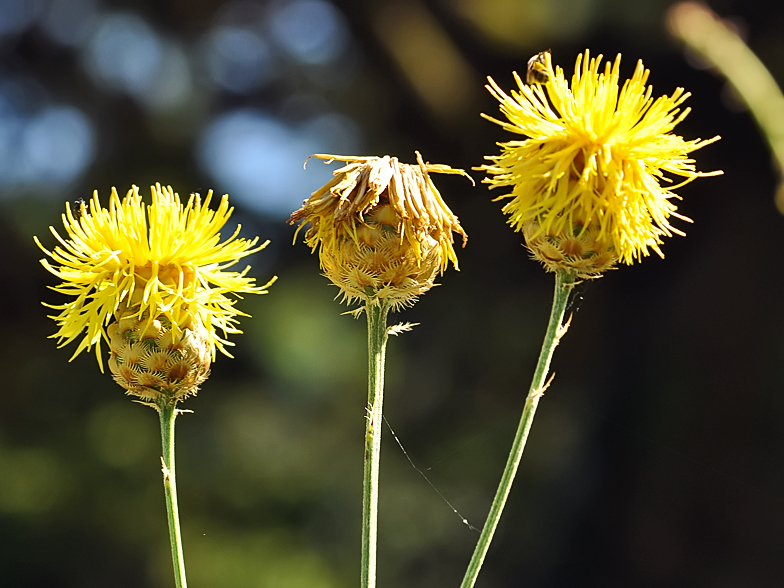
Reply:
x=586, y=181
x=382, y=230
x=157, y=264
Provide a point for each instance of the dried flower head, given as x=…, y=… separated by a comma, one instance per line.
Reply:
x=586, y=181
x=157, y=273
x=382, y=230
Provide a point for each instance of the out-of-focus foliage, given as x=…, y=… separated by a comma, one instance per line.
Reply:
x=657, y=458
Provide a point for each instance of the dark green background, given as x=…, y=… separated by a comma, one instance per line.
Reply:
x=657, y=455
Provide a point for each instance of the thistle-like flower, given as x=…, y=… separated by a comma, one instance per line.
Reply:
x=382, y=230
x=587, y=180
x=152, y=282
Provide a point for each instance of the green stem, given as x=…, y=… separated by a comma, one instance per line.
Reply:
x=168, y=412
x=377, y=342
x=564, y=281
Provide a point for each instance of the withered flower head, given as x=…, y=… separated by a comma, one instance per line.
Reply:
x=382, y=229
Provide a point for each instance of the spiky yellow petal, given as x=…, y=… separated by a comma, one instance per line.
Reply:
x=594, y=156
x=164, y=259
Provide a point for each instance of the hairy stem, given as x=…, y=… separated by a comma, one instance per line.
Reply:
x=377, y=341
x=168, y=412
x=564, y=282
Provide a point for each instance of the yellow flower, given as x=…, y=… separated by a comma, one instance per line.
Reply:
x=587, y=179
x=382, y=230
x=162, y=266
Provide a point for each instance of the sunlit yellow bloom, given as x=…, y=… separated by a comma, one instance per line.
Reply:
x=381, y=227
x=158, y=264
x=595, y=162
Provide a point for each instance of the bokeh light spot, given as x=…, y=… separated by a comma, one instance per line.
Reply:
x=258, y=159
x=172, y=86
x=58, y=144
x=125, y=54
x=70, y=22
x=238, y=59
x=313, y=31
x=48, y=149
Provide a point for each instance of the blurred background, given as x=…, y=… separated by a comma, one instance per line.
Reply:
x=657, y=455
